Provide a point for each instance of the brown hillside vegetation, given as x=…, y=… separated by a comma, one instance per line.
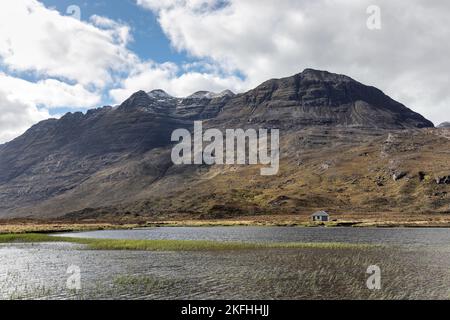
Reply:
x=345, y=171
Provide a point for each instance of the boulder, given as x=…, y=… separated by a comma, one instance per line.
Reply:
x=443, y=180
x=399, y=175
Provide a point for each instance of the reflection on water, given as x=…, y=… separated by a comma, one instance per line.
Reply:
x=417, y=267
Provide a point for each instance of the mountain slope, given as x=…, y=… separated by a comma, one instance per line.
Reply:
x=116, y=160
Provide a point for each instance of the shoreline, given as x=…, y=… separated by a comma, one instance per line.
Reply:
x=60, y=226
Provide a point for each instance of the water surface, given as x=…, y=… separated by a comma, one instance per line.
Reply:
x=414, y=263
x=394, y=236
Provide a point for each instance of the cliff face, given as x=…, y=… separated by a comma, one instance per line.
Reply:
x=116, y=160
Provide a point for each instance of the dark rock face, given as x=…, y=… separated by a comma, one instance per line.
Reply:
x=55, y=156
x=201, y=105
x=444, y=125
x=321, y=98
x=111, y=155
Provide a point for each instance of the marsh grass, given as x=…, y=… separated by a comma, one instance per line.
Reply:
x=173, y=245
x=45, y=228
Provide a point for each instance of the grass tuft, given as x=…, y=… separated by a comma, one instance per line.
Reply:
x=173, y=245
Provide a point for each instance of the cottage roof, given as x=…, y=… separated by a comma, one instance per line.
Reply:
x=320, y=213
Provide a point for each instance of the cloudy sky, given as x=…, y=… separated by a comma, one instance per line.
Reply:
x=69, y=55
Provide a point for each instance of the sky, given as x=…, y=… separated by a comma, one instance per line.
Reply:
x=58, y=56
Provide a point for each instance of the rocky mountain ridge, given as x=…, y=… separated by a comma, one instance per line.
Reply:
x=116, y=160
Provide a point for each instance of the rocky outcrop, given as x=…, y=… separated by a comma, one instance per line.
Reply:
x=444, y=125
x=443, y=180
x=399, y=175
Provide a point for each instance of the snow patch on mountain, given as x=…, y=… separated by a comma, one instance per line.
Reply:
x=210, y=95
x=159, y=94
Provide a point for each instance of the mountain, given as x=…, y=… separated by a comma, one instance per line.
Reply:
x=320, y=98
x=342, y=143
x=444, y=125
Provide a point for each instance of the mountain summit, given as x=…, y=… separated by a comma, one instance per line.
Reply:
x=316, y=97
x=117, y=159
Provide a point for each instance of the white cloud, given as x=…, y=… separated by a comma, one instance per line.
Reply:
x=76, y=61
x=16, y=117
x=72, y=61
x=118, y=31
x=34, y=38
x=407, y=58
x=166, y=76
x=49, y=93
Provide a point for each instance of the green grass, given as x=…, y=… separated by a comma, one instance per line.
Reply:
x=26, y=238
x=172, y=245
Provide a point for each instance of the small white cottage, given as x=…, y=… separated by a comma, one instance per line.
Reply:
x=320, y=216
